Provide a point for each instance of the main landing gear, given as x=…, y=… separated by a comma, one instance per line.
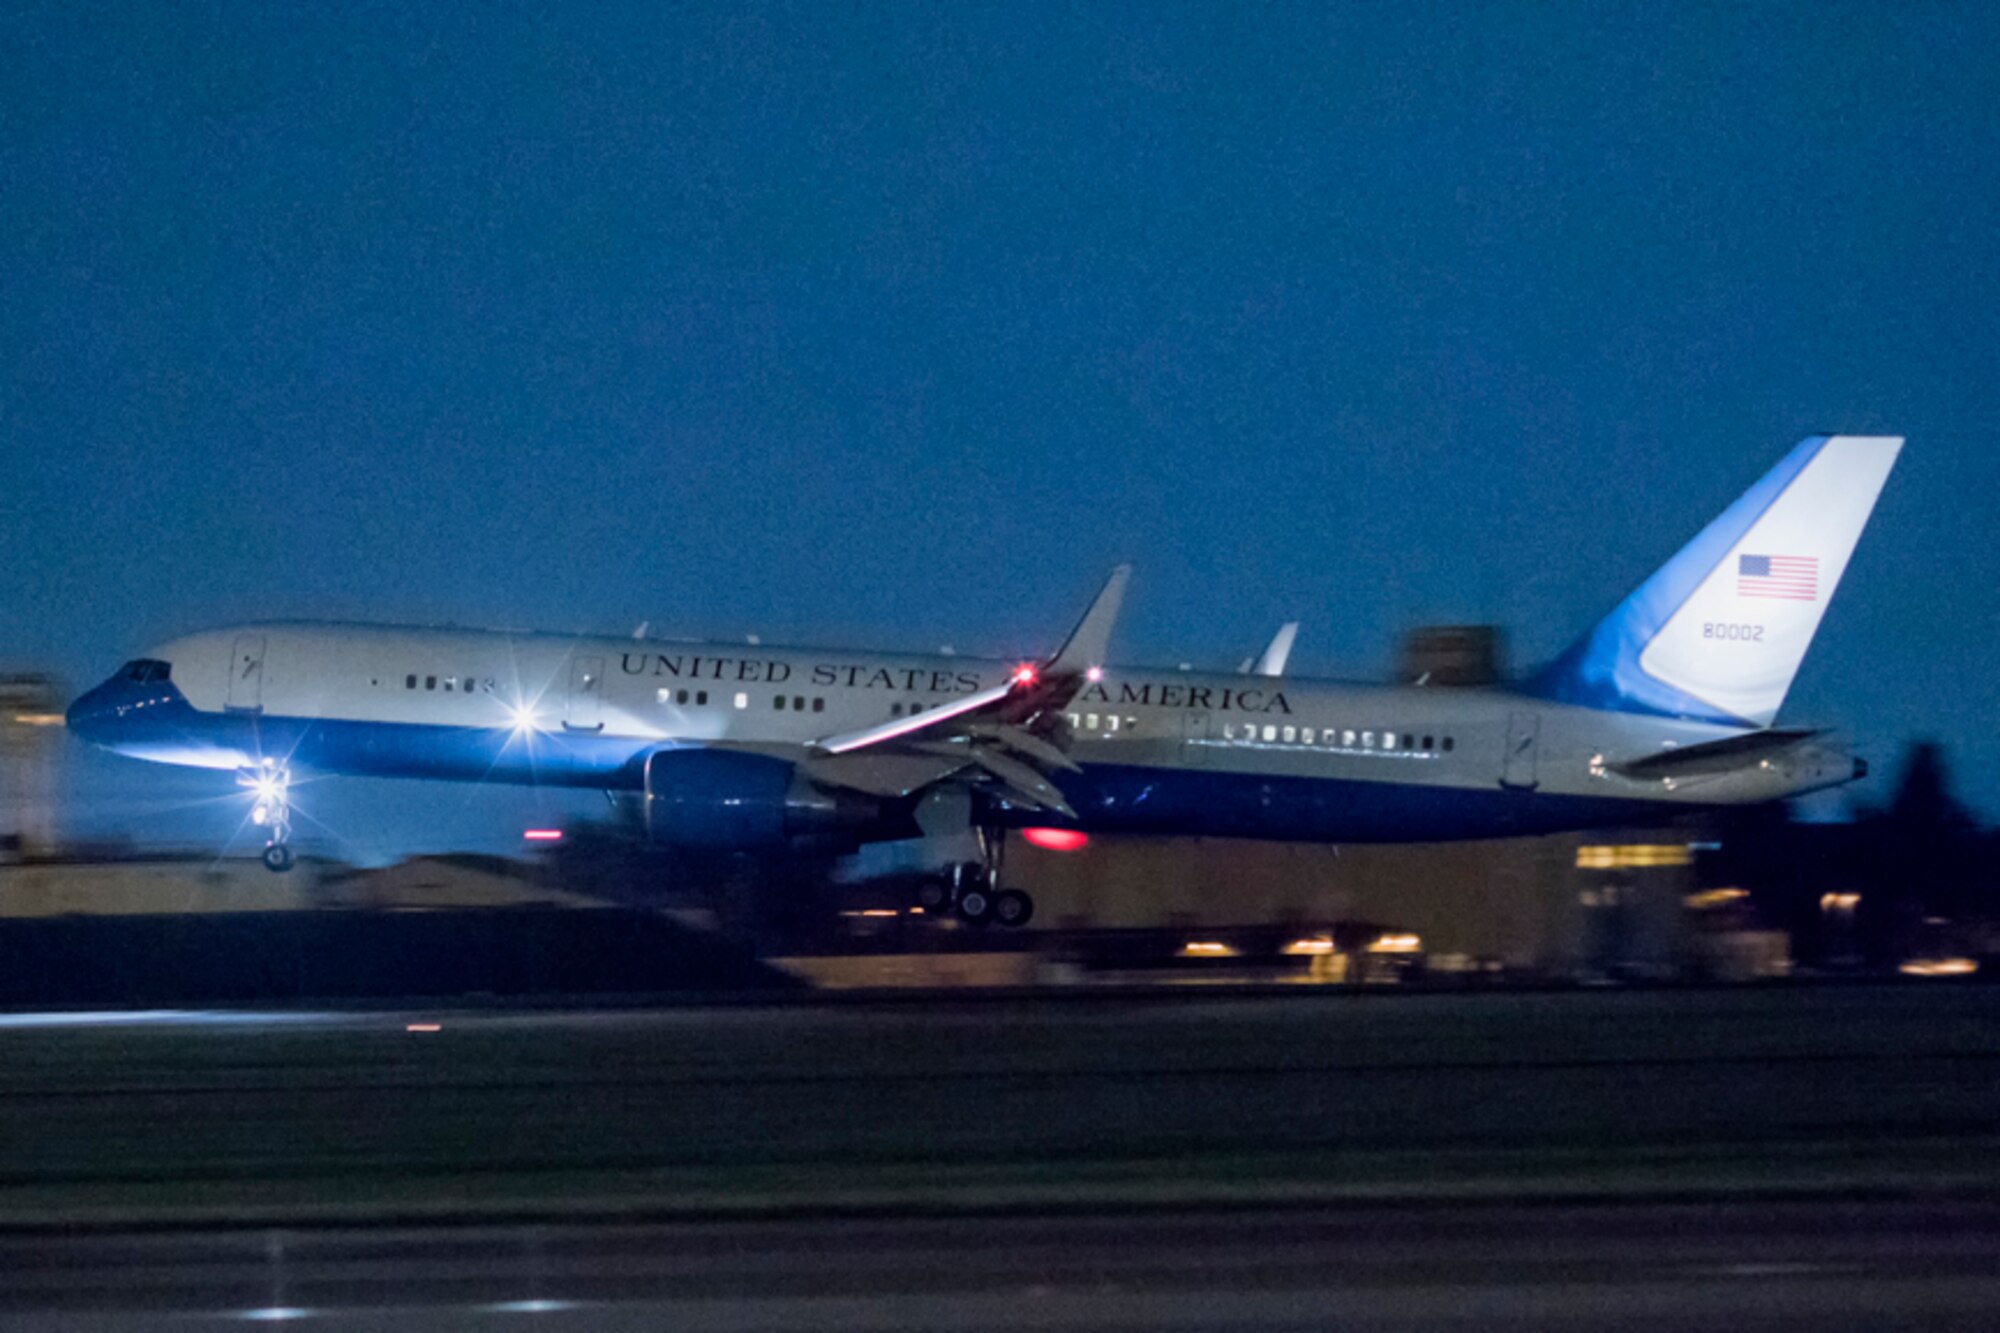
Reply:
x=272, y=786
x=971, y=890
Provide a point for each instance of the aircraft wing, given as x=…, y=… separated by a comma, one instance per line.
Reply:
x=1003, y=735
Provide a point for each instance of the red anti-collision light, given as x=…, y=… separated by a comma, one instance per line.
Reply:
x=1024, y=675
x=1056, y=839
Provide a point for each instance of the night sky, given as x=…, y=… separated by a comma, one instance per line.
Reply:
x=899, y=325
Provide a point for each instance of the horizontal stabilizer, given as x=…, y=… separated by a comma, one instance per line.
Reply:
x=1731, y=752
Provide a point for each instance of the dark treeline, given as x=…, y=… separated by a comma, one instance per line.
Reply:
x=1913, y=877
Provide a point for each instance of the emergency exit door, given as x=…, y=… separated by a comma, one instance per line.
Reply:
x=1523, y=740
x=586, y=695
x=246, y=675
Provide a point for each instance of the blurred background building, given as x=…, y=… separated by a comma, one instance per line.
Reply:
x=31, y=740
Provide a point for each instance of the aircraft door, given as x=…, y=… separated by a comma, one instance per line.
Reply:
x=585, y=708
x=1523, y=740
x=246, y=675
x=1194, y=738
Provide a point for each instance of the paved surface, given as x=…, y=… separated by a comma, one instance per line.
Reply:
x=1738, y=1267
x=948, y=1104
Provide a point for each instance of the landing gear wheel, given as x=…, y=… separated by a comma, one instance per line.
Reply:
x=1013, y=908
x=934, y=895
x=278, y=858
x=976, y=906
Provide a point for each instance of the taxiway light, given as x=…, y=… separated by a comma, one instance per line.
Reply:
x=1939, y=967
x=1056, y=839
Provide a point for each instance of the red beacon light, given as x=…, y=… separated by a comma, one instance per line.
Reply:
x=1056, y=839
x=1025, y=674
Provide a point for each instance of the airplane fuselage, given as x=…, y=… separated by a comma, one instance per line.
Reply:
x=1161, y=751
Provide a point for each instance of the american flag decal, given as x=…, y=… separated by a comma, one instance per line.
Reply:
x=1793, y=577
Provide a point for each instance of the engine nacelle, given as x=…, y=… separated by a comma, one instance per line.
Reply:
x=730, y=800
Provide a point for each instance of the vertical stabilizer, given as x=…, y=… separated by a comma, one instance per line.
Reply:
x=1717, y=634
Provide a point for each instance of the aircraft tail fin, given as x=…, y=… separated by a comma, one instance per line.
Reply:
x=1719, y=631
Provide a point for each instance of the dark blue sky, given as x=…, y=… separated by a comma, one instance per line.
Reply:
x=900, y=324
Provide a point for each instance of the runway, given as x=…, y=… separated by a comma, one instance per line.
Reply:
x=1746, y=1266
x=949, y=1105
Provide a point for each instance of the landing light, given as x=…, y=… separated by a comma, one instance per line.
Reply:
x=523, y=717
x=542, y=835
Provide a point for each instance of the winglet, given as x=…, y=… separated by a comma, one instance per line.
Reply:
x=1278, y=652
x=1090, y=642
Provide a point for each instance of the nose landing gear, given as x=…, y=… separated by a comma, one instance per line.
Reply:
x=272, y=812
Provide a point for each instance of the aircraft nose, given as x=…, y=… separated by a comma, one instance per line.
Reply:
x=85, y=717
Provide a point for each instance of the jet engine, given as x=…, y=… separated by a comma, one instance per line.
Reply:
x=735, y=800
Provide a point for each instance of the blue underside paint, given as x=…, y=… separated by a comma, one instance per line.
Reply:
x=1601, y=670
x=156, y=722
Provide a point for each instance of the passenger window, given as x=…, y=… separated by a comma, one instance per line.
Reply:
x=1367, y=740
x=1447, y=744
x=1270, y=732
x=430, y=682
x=1388, y=740
x=700, y=699
x=895, y=710
x=1111, y=723
x=798, y=703
x=1090, y=721
x=742, y=699
x=409, y=682
x=1291, y=735
x=819, y=705
x=778, y=702
x=1347, y=738
x=1306, y=735
x=1428, y=742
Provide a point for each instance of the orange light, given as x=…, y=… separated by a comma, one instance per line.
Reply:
x=1056, y=839
x=1939, y=967
x=543, y=835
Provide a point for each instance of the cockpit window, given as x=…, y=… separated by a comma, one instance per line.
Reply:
x=145, y=671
